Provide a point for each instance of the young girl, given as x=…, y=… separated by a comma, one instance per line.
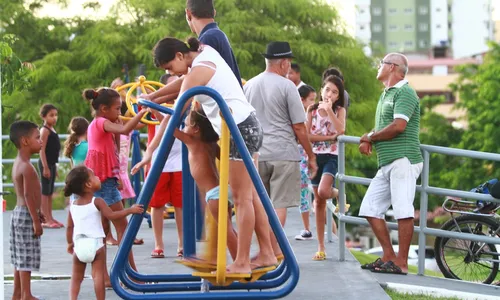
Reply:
x=76, y=146
x=102, y=156
x=49, y=157
x=85, y=233
x=203, y=66
x=326, y=121
x=308, y=97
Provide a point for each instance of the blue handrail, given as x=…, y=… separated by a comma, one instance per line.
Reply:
x=118, y=269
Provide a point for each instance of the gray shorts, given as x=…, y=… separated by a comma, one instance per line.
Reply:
x=282, y=182
x=252, y=134
x=25, y=247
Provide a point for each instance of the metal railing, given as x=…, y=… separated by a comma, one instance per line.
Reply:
x=63, y=160
x=425, y=189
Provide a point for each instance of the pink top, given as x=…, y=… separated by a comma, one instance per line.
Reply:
x=323, y=126
x=102, y=156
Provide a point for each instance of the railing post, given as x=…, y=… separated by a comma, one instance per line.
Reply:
x=423, y=214
x=341, y=204
x=188, y=207
x=329, y=220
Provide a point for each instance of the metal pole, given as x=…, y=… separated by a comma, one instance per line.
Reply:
x=188, y=207
x=423, y=215
x=341, y=172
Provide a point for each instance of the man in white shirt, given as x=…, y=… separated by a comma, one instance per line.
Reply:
x=294, y=75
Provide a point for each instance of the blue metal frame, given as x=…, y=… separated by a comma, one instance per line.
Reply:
x=120, y=269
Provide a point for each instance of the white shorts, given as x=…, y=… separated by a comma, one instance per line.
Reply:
x=395, y=185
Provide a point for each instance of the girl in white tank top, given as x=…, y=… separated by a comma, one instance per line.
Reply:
x=85, y=234
x=203, y=66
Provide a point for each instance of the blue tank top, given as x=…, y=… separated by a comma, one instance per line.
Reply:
x=80, y=153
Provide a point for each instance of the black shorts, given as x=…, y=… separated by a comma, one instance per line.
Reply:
x=252, y=134
x=47, y=183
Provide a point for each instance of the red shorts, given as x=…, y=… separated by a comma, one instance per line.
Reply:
x=168, y=190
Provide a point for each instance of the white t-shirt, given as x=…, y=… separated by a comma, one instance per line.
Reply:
x=174, y=160
x=226, y=84
x=301, y=84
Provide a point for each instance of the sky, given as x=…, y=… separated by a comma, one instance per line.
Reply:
x=346, y=8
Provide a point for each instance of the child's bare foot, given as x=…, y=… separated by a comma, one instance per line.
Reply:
x=238, y=269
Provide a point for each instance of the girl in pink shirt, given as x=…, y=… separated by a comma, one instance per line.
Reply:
x=102, y=155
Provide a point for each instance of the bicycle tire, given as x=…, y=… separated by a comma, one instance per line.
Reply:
x=441, y=241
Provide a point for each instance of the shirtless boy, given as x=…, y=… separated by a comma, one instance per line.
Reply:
x=201, y=140
x=26, y=222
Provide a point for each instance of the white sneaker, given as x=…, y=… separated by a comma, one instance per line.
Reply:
x=304, y=236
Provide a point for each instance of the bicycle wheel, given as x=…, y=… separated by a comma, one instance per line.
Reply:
x=468, y=260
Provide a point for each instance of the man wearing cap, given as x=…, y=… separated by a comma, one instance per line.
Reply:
x=281, y=114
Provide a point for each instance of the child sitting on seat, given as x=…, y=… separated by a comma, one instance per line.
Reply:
x=201, y=140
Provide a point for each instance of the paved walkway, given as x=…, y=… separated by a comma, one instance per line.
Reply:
x=318, y=280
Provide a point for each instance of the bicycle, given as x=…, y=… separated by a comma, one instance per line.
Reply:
x=464, y=259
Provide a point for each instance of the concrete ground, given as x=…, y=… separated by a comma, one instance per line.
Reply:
x=328, y=279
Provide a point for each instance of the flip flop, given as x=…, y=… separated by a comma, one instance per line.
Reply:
x=114, y=243
x=373, y=265
x=138, y=241
x=389, y=268
x=320, y=255
x=157, y=253
x=180, y=252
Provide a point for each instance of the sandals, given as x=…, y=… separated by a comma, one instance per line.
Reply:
x=320, y=255
x=389, y=268
x=51, y=226
x=138, y=241
x=372, y=265
x=180, y=252
x=157, y=253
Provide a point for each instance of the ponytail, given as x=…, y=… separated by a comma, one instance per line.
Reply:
x=77, y=128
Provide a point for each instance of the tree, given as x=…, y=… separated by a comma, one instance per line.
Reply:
x=76, y=53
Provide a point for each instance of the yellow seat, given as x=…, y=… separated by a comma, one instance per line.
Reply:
x=197, y=266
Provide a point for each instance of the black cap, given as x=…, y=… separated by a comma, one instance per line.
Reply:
x=277, y=50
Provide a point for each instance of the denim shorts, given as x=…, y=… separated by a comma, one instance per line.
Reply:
x=327, y=164
x=252, y=134
x=109, y=191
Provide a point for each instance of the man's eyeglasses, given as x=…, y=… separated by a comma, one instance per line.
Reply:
x=388, y=63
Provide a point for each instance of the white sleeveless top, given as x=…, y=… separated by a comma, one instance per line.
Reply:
x=87, y=220
x=224, y=82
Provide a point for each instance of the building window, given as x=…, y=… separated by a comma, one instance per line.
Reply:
x=393, y=44
x=361, y=11
x=393, y=27
x=408, y=10
x=393, y=11
x=423, y=27
x=361, y=27
x=422, y=43
x=377, y=11
x=438, y=9
x=438, y=26
x=423, y=10
x=409, y=44
x=408, y=27
x=377, y=28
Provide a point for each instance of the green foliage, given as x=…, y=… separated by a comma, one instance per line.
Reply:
x=73, y=54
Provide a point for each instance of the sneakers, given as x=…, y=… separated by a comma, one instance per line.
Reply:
x=304, y=235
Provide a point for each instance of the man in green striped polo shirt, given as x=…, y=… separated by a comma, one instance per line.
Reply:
x=396, y=139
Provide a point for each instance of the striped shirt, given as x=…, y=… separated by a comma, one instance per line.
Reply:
x=399, y=102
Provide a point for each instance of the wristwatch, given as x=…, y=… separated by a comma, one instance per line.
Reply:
x=370, y=136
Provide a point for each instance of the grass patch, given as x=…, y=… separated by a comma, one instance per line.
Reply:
x=364, y=258
x=11, y=278
x=405, y=296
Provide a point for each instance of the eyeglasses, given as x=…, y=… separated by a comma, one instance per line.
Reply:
x=387, y=63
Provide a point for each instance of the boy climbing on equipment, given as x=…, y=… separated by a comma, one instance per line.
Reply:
x=201, y=141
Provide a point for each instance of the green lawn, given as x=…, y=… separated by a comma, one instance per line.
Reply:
x=368, y=258
x=402, y=296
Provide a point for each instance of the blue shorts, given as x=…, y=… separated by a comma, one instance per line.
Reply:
x=327, y=165
x=214, y=194
x=109, y=191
